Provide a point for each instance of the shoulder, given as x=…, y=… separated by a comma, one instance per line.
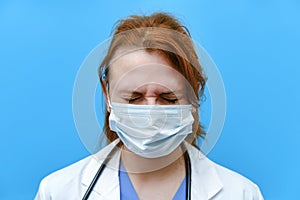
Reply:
x=62, y=181
x=67, y=174
x=234, y=182
x=220, y=182
x=69, y=180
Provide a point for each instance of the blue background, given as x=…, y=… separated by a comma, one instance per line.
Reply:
x=255, y=45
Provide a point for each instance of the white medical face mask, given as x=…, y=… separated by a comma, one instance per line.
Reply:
x=151, y=131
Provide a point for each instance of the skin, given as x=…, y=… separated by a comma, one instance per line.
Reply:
x=146, y=78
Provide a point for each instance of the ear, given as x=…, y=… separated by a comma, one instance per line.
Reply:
x=104, y=86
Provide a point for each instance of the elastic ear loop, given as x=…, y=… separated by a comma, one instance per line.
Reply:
x=108, y=99
x=194, y=109
x=195, y=106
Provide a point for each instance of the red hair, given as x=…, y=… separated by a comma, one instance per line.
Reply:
x=163, y=34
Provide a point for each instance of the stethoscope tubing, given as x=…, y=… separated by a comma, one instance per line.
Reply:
x=109, y=156
x=188, y=170
x=98, y=174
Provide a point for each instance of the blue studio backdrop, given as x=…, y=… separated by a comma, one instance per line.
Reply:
x=255, y=45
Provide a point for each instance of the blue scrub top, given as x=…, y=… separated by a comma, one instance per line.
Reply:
x=128, y=192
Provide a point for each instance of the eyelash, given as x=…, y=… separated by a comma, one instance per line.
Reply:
x=166, y=99
x=132, y=99
x=170, y=100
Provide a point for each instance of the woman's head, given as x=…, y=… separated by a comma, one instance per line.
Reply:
x=152, y=60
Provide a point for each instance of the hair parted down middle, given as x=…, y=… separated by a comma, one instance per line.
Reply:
x=163, y=34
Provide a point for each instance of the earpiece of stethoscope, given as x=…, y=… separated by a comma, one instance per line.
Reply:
x=109, y=156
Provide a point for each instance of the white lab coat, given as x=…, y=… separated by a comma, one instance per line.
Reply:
x=208, y=180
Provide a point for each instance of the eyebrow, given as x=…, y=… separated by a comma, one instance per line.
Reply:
x=131, y=93
x=167, y=93
x=172, y=94
x=180, y=91
x=162, y=93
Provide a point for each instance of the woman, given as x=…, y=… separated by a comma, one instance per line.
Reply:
x=152, y=80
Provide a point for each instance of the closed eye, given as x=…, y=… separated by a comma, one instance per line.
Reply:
x=169, y=97
x=171, y=100
x=134, y=97
x=131, y=100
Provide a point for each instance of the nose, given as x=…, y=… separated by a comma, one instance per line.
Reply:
x=150, y=100
x=150, y=91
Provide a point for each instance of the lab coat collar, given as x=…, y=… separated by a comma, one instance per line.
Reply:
x=107, y=185
x=205, y=181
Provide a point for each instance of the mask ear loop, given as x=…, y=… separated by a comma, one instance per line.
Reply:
x=108, y=99
x=194, y=108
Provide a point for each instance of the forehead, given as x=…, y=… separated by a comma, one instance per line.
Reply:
x=135, y=69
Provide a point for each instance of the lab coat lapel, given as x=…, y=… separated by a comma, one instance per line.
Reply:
x=205, y=180
x=107, y=186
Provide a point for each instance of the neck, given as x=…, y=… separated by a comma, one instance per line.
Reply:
x=134, y=163
x=155, y=178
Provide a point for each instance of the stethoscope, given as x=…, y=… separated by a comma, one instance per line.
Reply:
x=113, y=151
